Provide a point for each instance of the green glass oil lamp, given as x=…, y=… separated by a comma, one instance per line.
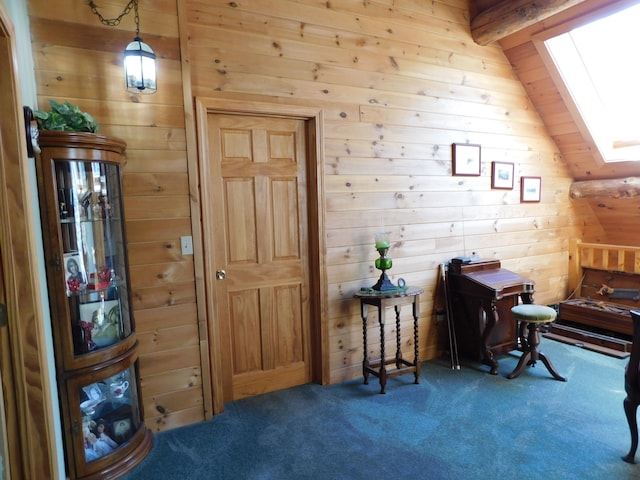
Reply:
x=383, y=243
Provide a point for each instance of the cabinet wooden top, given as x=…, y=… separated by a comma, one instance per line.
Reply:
x=49, y=138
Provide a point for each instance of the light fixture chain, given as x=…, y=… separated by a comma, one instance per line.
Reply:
x=139, y=59
x=137, y=17
x=112, y=22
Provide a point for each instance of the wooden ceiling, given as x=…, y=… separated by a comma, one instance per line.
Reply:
x=514, y=24
x=611, y=189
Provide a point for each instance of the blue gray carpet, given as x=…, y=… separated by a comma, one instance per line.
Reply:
x=462, y=424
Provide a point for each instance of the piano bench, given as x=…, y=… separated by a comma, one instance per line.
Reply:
x=530, y=317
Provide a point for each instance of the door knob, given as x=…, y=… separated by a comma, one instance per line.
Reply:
x=221, y=274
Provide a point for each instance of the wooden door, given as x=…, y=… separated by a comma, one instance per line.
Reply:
x=29, y=412
x=260, y=251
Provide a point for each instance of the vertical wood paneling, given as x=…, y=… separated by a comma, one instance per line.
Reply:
x=399, y=82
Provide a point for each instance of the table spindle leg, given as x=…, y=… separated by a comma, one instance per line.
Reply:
x=398, y=349
x=416, y=347
x=383, y=368
x=364, y=311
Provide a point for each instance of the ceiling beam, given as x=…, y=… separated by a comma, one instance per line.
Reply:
x=607, y=188
x=510, y=16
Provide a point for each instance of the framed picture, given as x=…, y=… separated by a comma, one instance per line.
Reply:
x=502, y=175
x=466, y=159
x=122, y=428
x=74, y=274
x=530, y=189
x=102, y=321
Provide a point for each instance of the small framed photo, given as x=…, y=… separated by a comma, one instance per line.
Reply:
x=530, y=189
x=502, y=175
x=122, y=428
x=101, y=321
x=74, y=273
x=466, y=159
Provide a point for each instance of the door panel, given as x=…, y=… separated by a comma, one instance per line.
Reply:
x=258, y=177
x=241, y=216
x=245, y=307
x=285, y=219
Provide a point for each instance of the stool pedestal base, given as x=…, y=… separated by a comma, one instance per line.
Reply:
x=531, y=354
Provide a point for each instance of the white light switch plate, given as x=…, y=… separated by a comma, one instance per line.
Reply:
x=186, y=244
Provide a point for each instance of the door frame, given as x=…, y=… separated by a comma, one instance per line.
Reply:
x=314, y=119
x=23, y=363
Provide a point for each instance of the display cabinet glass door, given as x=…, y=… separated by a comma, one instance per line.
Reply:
x=95, y=345
x=94, y=260
x=105, y=413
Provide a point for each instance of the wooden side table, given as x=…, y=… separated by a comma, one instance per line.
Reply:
x=383, y=300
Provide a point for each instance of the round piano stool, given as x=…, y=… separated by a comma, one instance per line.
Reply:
x=530, y=317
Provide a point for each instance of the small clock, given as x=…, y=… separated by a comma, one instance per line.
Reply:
x=401, y=283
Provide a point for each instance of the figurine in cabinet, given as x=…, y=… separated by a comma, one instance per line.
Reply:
x=89, y=439
x=101, y=443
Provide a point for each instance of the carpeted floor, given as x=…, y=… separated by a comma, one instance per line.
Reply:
x=462, y=424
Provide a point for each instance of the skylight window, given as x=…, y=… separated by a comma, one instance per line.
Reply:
x=598, y=65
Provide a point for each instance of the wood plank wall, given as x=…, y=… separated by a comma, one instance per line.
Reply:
x=78, y=59
x=615, y=214
x=399, y=81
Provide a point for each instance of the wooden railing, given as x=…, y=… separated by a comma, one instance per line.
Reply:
x=617, y=258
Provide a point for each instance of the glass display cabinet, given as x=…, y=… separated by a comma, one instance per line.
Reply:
x=79, y=182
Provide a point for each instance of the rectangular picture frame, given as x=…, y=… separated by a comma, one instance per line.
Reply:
x=75, y=276
x=106, y=318
x=122, y=428
x=466, y=159
x=502, y=175
x=530, y=188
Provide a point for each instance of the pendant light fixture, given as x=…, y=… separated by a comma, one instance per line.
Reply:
x=139, y=59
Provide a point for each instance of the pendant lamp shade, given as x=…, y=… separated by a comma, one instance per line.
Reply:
x=140, y=67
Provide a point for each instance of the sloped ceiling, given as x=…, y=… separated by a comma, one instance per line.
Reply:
x=514, y=24
x=612, y=190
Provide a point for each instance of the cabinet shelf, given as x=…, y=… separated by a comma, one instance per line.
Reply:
x=95, y=345
x=85, y=291
x=73, y=221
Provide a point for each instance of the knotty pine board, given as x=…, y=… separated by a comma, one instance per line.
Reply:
x=398, y=83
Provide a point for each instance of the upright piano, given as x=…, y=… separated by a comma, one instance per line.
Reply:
x=481, y=295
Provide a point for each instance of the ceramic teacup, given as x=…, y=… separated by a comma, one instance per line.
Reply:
x=118, y=388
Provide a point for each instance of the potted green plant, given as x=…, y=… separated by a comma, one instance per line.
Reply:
x=65, y=117
x=66, y=126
